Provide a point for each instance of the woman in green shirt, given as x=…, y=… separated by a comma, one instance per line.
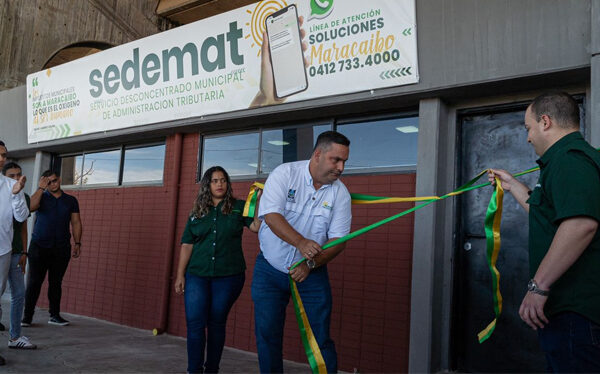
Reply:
x=211, y=267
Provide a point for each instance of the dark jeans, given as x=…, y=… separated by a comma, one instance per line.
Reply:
x=271, y=294
x=53, y=261
x=208, y=301
x=571, y=343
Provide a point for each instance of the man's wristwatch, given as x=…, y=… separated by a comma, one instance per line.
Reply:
x=311, y=264
x=533, y=287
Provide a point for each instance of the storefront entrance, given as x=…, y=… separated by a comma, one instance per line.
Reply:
x=493, y=139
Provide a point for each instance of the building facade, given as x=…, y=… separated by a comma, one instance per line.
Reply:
x=409, y=296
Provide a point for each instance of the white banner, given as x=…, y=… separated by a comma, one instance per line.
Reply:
x=220, y=65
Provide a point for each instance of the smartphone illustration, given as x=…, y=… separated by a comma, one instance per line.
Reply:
x=285, y=47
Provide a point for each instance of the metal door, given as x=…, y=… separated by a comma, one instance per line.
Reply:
x=493, y=140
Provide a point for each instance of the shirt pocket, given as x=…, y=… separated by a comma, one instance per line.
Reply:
x=536, y=197
x=233, y=224
x=321, y=221
x=200, y=227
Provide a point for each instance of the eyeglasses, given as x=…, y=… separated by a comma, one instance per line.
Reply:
x=53, y=181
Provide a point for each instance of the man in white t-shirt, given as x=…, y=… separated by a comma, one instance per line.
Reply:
x=12, y=205
x=304, y=205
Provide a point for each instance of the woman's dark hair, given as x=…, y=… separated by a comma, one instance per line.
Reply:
x=204, y=199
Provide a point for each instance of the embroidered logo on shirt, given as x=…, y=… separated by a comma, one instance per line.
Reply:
x=291, y=196
x=326, y=205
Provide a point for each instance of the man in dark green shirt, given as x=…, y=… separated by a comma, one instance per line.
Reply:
x=563, y=298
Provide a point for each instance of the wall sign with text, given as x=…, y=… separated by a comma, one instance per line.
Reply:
x=270, y=52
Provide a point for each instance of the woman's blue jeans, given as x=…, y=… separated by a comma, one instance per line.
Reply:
x=208, y=301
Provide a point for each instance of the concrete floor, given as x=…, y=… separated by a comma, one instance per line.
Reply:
x=90, y=345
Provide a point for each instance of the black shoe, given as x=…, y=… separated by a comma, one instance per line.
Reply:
x=26, y=322
x=2, y=361
x=58, y=320
x=2, y=328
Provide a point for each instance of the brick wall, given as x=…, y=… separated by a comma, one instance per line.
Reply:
x=119, y=276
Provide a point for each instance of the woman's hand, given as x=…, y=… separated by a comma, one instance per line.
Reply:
x=255, y=225
x=180, y=285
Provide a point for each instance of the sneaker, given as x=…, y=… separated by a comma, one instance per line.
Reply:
x=25, y=322
x=58, y=320
x=2, y=328
x=21, y=343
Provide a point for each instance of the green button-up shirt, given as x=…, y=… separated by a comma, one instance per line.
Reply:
x=217, y=240
x=568, y=186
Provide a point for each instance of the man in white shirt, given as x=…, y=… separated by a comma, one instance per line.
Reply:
x=304, y=206
x=12, y=205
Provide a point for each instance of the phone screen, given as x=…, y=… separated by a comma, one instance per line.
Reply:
x=285, y=47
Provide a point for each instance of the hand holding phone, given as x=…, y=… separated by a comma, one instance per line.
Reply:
x=267, y=94
x=285, y=47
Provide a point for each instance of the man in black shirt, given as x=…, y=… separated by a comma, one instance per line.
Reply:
x=50, y=248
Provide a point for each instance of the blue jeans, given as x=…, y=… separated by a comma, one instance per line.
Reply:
x=208, y=301
x=271, y=295
x=16, y=281
x=571, y=343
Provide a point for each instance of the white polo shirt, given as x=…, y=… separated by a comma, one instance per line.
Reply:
x=319, y=215
x=11, y=205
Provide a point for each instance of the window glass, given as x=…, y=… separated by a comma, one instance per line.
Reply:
x=70, y=170
x=144, y=164
x=237, y=154
x=382, y=143
x=288, y=145
x=101, y=168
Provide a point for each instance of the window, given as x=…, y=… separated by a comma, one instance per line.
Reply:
x=71, y=170
x=238, y=154
x=387, y=143
x=381, y=144
x=101, y=167
x=287, y=145
x=241, y=154
x=143, y=164
x=124, y=165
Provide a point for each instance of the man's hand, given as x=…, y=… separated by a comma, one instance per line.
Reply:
x=505, y=177
x=19, y=185
x=308, y=248
x=509, y=183
x=23, y=262
x=44, y=182
x=76, y=250
x=300, y=272
x=532, y=310
x=179, y=285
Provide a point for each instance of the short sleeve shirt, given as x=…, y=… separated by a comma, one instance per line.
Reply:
x=53, y=217
x=568, y=186
x=217, y=240
x=319, y=215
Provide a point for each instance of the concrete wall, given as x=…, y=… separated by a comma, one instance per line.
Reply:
x=466, y=48
x=32, y=31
